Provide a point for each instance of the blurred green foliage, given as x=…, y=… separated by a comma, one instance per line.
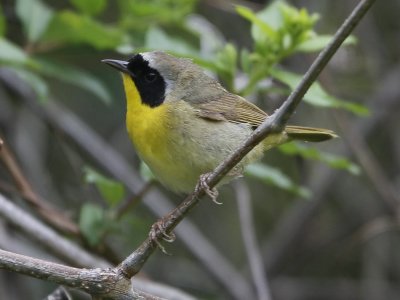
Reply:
x=140, y=14
x=94, y=223
x=277, y=178
x=278, y=31
x=333, y=161
x=35, y=17
x=112, y=191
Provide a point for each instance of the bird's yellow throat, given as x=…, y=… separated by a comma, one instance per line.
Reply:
x=146, y=125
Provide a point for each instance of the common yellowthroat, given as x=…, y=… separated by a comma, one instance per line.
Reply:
x=183, y=123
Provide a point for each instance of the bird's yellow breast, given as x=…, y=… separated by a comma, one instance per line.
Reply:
x=177, y=145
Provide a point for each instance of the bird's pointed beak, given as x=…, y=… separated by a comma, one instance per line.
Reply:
x=120, y=65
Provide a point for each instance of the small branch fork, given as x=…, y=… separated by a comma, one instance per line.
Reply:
x=115, y=283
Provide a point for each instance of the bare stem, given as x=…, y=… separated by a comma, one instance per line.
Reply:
x=254, y=257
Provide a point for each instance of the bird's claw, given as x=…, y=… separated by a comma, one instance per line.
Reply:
x=212, y=193
x=157, y=230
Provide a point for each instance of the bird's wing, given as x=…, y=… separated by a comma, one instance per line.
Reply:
x=230, y=107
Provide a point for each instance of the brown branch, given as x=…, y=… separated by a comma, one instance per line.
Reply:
x=275, y=123
x=60, y=246
x=105, y=282
x=50, y=214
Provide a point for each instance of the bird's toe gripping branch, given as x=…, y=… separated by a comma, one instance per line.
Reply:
x=158, y=232
x=202, y=184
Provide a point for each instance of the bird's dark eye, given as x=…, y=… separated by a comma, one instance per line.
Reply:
x=150, y=77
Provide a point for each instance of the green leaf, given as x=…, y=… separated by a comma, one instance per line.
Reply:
x=2, y=22
x=141, y=14
x=92, y=223
x=75, y=76
x=275, y=177
x=334, y=161
x=37, y=83
x=316, y=95
x=11, y=53
x=90, y=7
x=272, y=14
x=260, y=29
x=70, y=27
x=319, y=42
x=112, y=191
x=35, y=17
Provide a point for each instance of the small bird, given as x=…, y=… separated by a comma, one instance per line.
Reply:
x=183, y=123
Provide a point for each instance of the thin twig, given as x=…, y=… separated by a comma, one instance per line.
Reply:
x=251, y=246
x=50, y=214
x=275, y=123
x=132, y=201
x=47, y=237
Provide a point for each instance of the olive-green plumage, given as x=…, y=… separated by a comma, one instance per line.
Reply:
x=183, y=123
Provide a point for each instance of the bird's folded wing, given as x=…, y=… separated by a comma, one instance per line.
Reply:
x=230, y=107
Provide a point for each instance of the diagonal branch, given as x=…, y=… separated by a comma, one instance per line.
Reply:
x=275, y=123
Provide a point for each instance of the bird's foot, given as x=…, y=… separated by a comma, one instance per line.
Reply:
x=212, y=193
x=158, y=231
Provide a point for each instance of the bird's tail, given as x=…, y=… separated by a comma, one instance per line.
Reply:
x=309, y=134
